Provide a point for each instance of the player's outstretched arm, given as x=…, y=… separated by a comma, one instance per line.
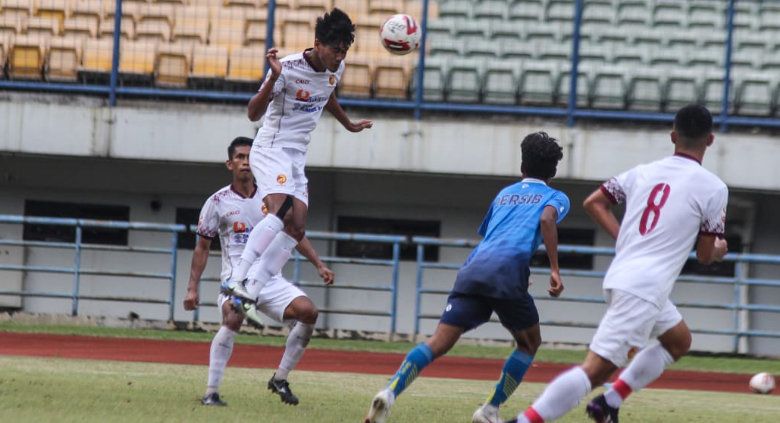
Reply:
x=259, y=102
x=335, y=109
x=710, y=248
x=599, y=208
x=307, y=250
x=550, y=236
x=199, y=259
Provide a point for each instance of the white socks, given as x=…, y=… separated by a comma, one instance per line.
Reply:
x=561, y=395
x=646, y=367
x=297, y=341
x=221, y=349
x=259, y=239
x=271, y=262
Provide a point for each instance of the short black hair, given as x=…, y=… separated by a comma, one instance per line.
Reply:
x=335, y=29
x=693, y=123
x=238, y=142
x=541, y=154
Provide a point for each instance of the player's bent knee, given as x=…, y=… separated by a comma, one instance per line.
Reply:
x=309, y=315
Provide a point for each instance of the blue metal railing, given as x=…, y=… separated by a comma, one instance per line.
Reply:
x=417, y=104
x=738, y=281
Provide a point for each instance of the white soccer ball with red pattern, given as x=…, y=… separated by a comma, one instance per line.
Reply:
x=400, y=34
x=762, y=383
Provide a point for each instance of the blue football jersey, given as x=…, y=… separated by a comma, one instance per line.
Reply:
x=499, y=266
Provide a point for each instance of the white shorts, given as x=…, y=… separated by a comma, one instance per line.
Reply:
x=276, y=295
x=280, y=170
x=630, y=322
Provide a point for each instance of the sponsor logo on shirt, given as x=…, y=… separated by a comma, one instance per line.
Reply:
x=332, y=80
x=514, y=199
x=302, y=95
x=281, y=179
x=302, y=81
x=233, y=213
x=239, y=227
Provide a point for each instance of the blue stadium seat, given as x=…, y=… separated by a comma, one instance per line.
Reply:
x=464, y=80
x=645, y=90
x=537, y=84
x=500, y=83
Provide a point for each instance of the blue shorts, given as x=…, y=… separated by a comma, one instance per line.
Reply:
x=469, y=311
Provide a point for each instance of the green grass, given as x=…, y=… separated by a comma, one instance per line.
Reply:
x=694, y=362
x=49, y=390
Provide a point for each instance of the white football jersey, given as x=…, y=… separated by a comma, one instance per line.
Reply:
x=231, y=216
x=668, y=204
x=299, y=96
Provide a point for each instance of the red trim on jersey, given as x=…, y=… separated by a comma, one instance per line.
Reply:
x=533, y=416
x=688, y=156
x=205, y=236
x=306, y=58
x=252, y=195
x=622, y=388
x=715, y=234
x=608, y=194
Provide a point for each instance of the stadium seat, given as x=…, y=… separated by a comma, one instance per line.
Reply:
x=80, y=27
x=91, y=10
x=517, y=50
x=608, y=87
x=753, y=94
x=439, y=28
x=481, y=49
x=504, y=31
x=246, y=64
x=703, y=59
x=681, y=39
x=127, y=29
x=705, y=14
x=606, y=36
x=42, y=27
x=560, y=11
x=500, y=83
x=256, y=34
x=742, y=61
x=63, y=60
x=447, y=48
x=562, y=85
x=191, y=25
x=136, y=59
x=670, y=15
x=650, y=38
x=712, y=91
x=681, y=88
x=526, y=12
x=52, y=9
x=537, y=84
x=209, y=62
x=153, y=30
x=367, y=42
x=383, y=8
x=593, y=54
x=463, y=80
x=598, y=13
x=746, y=16
x=17, y=8
x=357, y=80
x=712, y=39
x=433, y=79
x=97, y=56
x=645, y=90
x=470, y=31
x=667, y=57
x=391, y=78
x=769, y=20
x=227, y=28
x=26, y=57
x=316, y=6
x=130, y=11
x=353, y=8
x=172, y=64
x=253, y=4
x=155, y=21
x=541, y=34
x=456, y=9
x=629, y=56
x=554, y=53
x=11, y=25
x=756, y=43
x=632, y=14
x=771, y=62
x=491, y=10
x=297, y=33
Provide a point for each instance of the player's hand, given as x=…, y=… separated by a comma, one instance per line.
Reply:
x=273, y=62
x=326, y=274
x=556, y=285
x=721, y=248
x=359, y=125
x=191, y=300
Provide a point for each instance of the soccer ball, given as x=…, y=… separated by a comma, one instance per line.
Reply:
x=762, y=383
x=400, y=34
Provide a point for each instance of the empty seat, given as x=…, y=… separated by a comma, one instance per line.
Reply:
x=191, y=25
x=463, y=80
x=645, y=90
x=471, y=31
x=608, y=87
x=753, y=94
x=62, y=63
x=746, y=16
x=317, y=6
x=769, y=20
x=563, y=86
x=705, y=14
x=137, y=58
x=500, y=83
x=682, y=39
x=647, y=38
x=17, y=8
x=632, y=14
x=537, y=85
x=383, y=7
x=755, y=42
x=517, y=51
x=391, y=78
x=356, y=81
x=593, y=54
x=560, y=11
x=42, y=27
x=704, y=59
x=628, y=56
x=666, y=57
x=368, y=43
x=11, y=25
x=155, y=22
x=481, y=49
x=91, y=10
x=246, y=64
x=434, y=76
x=52, y=9
x=540, y=34
x=26, y=57
x=458, y=9
x=745, y=61
x=526, y=11
x=553, y=52
x=80, y=27
x=353, y=8
x=248, y=4
x=127, y=29
x=439, y=28
x=504, y=31
x=172, y=64
x=297, y=33
x=712, y=90
x=227, y=28
x=97, y=56
x=491, y=9
x=447, y=48
x=682, y=87
x=669, y=15
x=209, y=62
x=598, y=13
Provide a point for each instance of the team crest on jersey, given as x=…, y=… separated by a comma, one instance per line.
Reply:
x=281, y=179
x=302, y=95
x=332, y=80
x=239, y=227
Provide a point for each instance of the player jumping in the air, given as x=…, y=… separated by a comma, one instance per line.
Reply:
x=495, y=278
x=230, y=213
x=670, y=204
x=296, y=90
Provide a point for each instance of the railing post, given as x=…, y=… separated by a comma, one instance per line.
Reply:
x=174, y=254
x=739, y=277
x=269, y=32
x=420, y=74
x=74, y=311
x=418, y=289
x=575, y=62
x=394, y=288
x=115, y=59
x=724, y=111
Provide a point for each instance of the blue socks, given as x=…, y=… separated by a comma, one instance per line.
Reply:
x=417, y=359
x=511, y=376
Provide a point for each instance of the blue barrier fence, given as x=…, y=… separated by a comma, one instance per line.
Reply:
x=737, y=305
x=417, y=105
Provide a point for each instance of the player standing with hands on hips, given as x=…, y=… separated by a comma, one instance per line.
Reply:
x=670, y=205
x=296, y=90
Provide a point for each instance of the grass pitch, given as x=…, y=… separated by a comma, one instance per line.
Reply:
x=49, y=390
